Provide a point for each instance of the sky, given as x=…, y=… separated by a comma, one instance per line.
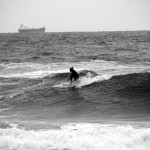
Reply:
x=75, y=15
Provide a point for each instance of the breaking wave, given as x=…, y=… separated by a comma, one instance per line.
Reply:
x=77, y=136
x=90, y=72
x=104, y=89
x=34, y=71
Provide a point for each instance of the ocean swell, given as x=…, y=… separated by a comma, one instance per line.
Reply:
x=124, y=97
x=105, y=89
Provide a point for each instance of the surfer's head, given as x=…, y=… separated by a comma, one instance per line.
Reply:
x=71, y=69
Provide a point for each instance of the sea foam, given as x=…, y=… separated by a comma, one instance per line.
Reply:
x=34, y=70
x=83, y=81
x=77, y=137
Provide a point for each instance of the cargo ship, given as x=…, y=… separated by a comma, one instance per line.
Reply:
x=24, y=29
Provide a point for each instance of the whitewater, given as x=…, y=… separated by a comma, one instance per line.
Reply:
x=107, y=109
x=77, y=136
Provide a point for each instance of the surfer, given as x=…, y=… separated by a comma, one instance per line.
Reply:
x=74, y=75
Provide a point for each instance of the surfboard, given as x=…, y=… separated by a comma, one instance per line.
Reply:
x=81, y=82
x=68, y=84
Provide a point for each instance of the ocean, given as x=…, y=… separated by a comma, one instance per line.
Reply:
x=108, y=108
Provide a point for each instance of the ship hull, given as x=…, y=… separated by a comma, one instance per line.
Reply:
x=39, y=30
